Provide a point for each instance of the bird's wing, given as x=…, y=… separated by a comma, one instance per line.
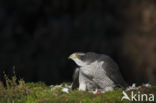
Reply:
x=112, y=71
x=75, y=83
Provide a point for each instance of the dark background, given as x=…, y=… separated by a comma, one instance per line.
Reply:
x=37, y=36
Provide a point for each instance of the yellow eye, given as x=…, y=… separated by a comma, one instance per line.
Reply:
x=76, y=55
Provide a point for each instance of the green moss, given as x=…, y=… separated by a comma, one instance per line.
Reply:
x=17, y=91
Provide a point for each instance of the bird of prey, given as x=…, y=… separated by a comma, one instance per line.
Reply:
x=95, y=71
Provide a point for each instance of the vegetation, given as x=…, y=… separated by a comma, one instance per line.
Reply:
x=13, y=91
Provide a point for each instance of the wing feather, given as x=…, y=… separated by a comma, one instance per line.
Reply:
x=112, y=71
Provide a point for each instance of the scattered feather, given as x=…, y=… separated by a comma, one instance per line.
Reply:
x=65, y=90
x=133, y=87
x=147, y=85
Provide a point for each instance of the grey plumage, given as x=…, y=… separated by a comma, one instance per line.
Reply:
x=96, y=71
x=112, y=71
x=75, y=83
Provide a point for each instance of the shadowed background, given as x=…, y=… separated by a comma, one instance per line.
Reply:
x=37, y=36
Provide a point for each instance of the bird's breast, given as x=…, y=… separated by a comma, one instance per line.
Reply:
x=92, y=69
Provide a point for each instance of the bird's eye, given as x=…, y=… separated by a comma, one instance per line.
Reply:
x=76, y=55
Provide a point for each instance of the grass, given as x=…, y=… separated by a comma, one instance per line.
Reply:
x=17, y=91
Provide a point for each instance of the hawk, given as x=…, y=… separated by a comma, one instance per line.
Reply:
x=95, y=71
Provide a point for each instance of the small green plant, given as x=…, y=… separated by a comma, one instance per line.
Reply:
x=17, y=91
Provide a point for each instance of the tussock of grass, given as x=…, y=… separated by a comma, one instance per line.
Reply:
x=17, y=91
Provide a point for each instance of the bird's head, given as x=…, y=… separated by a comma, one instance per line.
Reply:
x=78, y=58
x=82, y=59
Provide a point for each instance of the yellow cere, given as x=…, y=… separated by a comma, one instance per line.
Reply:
x=76, y=55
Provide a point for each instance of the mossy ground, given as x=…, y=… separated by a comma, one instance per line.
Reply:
x=20, y=92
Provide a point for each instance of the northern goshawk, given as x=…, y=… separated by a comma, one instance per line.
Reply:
x=95, y=71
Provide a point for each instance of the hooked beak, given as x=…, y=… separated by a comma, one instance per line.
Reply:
x=73, y=56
